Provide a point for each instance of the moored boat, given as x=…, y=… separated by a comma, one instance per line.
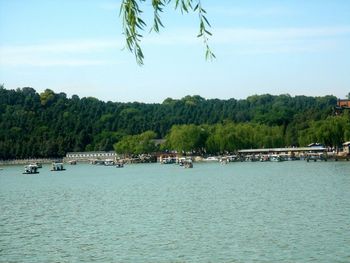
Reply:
x=109, y=162
x=188, y=163
x=56, y=166
x=31, y=169
x=97, y=162
x=315, y=157
x=181, y=161
x=119, y=165
x=39, y=165
x=72, y=162
x=168, y=160
x=276, y=158
x=211, y=159
x=224, y=160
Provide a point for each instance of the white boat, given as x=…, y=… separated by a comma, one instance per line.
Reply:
x=97, y=162
x=109, y=162
x=232, y=158
x=31, y=169
x=224, y=160
x=185, y=162
x=264, y=158
x=168, y=160
x=39, y=165
x=57, y=167
x=119, y=165
x=181, y=161
x=188, y=163
x=211, y=159
x=314, y=157
x=276, y=158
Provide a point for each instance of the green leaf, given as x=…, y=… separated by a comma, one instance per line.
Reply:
x=206, y=20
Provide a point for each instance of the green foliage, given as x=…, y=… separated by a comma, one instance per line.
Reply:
x=230, y=137
x=50, y=124
x=136, y=144
x=134, y=24
x=105, y=140
x=47, y=97
x=331, y=132
x=186, y=138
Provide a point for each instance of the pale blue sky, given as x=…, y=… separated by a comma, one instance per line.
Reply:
x=75, y=46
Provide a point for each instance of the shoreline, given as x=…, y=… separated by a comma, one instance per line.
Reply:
x=195, y=159
x=28, y=161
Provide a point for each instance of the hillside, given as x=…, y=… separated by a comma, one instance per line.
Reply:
x=50, y=124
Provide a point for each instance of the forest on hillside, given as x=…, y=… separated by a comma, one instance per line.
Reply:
x=51, y=124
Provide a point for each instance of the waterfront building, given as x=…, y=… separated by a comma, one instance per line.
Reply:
x=287, y=151
x=346, y=147
x=86, y=156
x=315, y=144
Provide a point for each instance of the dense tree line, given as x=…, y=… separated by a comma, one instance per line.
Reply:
x=50, y=124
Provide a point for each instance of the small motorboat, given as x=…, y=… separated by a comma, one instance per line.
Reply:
x=119, y=165
x=57, y=167
x=188, y=164
x=31, y=169
x=72, y=162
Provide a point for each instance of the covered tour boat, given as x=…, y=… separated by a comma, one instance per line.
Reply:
x=57, y=167
x=31, y=169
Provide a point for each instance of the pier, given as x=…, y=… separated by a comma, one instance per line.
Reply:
x=287, y=150
x=287, y=153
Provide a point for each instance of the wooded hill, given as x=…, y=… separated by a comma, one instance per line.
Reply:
x=50, y=124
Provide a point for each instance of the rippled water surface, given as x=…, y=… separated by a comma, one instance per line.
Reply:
x=240, y=212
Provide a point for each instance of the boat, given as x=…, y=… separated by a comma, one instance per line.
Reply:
x=211, y=159
x=31, y=169
x=188, y=163
x=168, y=160
x=72, y=162
x=56, y=166
x=181, y=161
x=275, y=158
x=39, y=165
x=314, y=157
x=109, y=162
x=224, y=160
x=119, y=165
x=232, y=158
x=97, y=162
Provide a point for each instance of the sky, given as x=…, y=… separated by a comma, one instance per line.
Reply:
x=294, y=47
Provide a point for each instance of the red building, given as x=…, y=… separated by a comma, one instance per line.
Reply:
x=343, y=104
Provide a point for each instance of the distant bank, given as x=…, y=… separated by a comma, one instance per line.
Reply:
x=30, y=160
x=313, y=151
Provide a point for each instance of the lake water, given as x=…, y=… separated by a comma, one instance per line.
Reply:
x=240, y=212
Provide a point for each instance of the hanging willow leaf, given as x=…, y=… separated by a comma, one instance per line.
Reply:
x=133, y=24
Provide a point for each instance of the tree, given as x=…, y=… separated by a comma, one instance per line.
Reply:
x=136, y=144
x=332, y=131
x=187, y=138
x=47, y=97
x=50, y=124
x=134, y=24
